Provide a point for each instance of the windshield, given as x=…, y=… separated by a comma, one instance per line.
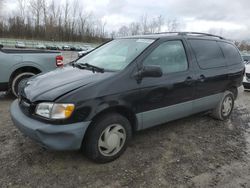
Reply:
x=117, y=54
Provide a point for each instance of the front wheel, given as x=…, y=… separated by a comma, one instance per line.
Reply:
x=18, y=79
x=225, y=106
x=107, y=138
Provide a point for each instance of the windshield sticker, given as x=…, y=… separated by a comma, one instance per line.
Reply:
x=149, y=41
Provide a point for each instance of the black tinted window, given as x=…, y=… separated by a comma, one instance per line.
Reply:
x=208, y=53
x=231, y=53
x=170, y=56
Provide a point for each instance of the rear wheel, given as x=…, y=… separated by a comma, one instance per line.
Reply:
x=18, y=78
x=107, y=138
x=225, y=106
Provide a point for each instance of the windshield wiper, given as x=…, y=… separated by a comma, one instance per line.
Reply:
x=88, y=66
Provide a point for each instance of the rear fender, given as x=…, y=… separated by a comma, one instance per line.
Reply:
x=23, y=65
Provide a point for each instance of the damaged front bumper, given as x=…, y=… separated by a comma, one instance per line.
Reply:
x=55, y=137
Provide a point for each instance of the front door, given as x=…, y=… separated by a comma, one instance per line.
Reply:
x=168, y=97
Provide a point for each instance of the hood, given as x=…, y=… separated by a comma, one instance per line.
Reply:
x=49, y=86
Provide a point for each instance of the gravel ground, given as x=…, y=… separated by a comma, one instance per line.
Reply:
x=197, y=151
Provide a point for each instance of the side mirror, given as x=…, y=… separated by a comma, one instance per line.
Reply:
x=1, y=46
x=149, y=71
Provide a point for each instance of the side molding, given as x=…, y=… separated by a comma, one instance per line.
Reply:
x=162, y=115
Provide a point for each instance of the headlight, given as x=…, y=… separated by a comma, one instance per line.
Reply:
x=54, y=110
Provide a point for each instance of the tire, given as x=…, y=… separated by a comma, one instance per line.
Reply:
x=17, y=80
x=107, y=138
x=225, y=107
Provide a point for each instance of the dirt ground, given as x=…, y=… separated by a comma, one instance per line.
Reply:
x=197, y=151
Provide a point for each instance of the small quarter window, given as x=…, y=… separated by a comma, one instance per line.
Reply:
x=231, y=53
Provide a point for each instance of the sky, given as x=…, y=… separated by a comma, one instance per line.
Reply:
x=228, y=18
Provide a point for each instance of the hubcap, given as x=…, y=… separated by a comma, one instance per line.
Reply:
x=112, y=140
x=227, y=106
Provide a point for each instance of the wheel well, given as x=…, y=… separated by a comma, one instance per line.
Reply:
x=122, y=111
x=24, y=69
x=234, y=90
x=118, y=109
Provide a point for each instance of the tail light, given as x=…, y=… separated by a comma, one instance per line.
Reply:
x=59, y=60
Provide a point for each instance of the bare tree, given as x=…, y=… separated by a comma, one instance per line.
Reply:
x=134, y=28
x=153, y=26
x=48, y=19
x=160, y=23
x=103, y=24
x=123, y=31
x=112, y=34
x=53, y=12
x=75, y=12
x=45, y=11
x=83, y=22
x=35, y=7
x=66, y=13
x=144, y=23
x=173, y=25
x=21, y=4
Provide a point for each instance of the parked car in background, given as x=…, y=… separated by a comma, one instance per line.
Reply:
x=18, y=65
x=66, y=47
x=20, y=45
x=51, y=47
x=246, y=80
x=78, y=48
x=84, y=52
x=59, y=47
x=72, y=48
x=126, y=85
x=86, y=47
x=40, y=46
x=246, y=58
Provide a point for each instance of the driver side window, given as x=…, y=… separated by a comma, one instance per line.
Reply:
x=170, y=56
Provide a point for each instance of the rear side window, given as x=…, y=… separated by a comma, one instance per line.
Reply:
x=208, y=53
x=170, y=56
x=231, y=53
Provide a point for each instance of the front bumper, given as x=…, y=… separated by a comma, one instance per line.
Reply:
x=56, y=137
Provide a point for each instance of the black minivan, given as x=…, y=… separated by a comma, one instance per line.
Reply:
x=128, y=84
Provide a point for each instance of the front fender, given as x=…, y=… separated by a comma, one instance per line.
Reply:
x=95, y=107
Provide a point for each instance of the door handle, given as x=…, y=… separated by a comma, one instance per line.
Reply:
x=202, y=78
x=189, y=80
